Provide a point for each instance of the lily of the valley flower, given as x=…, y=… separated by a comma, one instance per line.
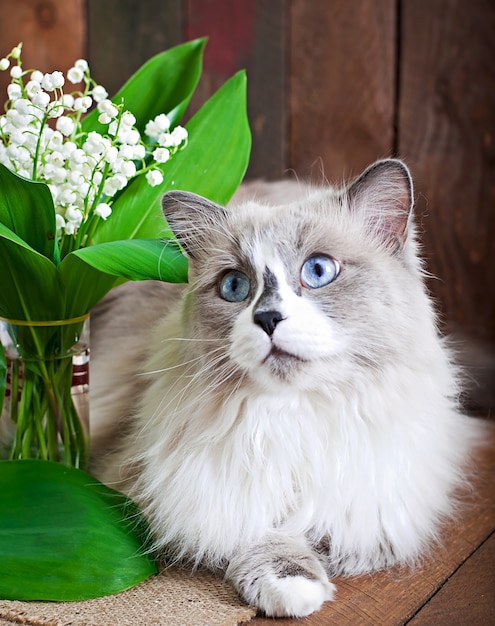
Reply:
x=41, y=138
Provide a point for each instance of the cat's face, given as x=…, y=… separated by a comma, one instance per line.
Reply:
x=298, y=294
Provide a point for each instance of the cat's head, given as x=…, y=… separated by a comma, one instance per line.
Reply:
x=308, y=292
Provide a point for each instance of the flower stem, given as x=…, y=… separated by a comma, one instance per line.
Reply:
x=48, y=423
x=38, y=147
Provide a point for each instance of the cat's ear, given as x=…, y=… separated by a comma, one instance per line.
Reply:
x=384, y=192
x=191, y=218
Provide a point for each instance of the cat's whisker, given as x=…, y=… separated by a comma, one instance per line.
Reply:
x=218, y=377
x=177, y=398
x=237, y=386
x=180, y=364
x=214, y=377
x=190, y=339
x=172, y=367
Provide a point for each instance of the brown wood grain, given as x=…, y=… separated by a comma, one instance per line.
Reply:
x=123, y=34
x=267, y=91
x=250, y=35
x=395, y=596
x=342, y=85
x=52, y=31
x=468, y=597
x=447, y=134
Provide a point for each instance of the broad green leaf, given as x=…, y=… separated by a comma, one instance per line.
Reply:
x=3, y=375
x=90, y=273
x=164, y=84
x=213, y=164
x=136, y=214
x=138, y=259
x=85, y=285
x=30, y=285
x=65, y=536
x=26, y=208
x=217, y=156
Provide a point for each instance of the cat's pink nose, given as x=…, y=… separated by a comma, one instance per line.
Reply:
x=268, y=320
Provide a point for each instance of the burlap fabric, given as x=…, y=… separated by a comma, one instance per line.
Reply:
x=173, y=598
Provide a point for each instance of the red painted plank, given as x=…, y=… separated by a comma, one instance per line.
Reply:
x=250, y=35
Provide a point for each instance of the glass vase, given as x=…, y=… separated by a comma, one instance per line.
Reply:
x=45, y=411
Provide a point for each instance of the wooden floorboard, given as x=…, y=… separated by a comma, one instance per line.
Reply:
x=454, y=585
x=468, y=597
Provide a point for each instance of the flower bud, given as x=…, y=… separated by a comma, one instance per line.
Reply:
x=32, y=87
x=103, y=210
x=75, y=75
x=82, y=65
x=37, y=76
x=65, y=125
x=82, y=104
x=161, y=155
x=128, y=169
x=154, y=178
x=68, y=100
x=46, y=82
x=58, y=80
x=16, y=72
x=14, y=91
x=56, y=109
x=41, y=99
x=99, y=93
x=128, y=119
x=104, y=118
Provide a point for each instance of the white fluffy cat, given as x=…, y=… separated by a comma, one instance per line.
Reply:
x=292, y=412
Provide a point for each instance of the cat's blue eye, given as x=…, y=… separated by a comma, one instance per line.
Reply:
x=234, y=286
x=318, y=271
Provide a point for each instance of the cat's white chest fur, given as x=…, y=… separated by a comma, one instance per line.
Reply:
x=298, y=463
x=259, y=462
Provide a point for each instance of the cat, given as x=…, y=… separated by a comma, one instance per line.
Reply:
x=292, y=413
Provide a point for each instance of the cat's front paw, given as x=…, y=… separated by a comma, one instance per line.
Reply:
x=293, y=596
x=281, y=578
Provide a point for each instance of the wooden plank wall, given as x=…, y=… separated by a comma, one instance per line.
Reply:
x=332, y=86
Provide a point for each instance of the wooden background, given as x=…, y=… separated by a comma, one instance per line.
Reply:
x=333, y=85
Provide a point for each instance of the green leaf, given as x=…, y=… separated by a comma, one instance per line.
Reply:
x=164, y=84
x=65, y=536
x=3, y=375
x=138, y=259
x=30, y=286
x=90, y=273
x=85, y=285
x=216, y=158
x=213, y=164
x=26, y=208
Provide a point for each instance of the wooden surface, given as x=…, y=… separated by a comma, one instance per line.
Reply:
x=53, y=33
x=250, y=35
x=446, y=132
x=454, y=585
x=123, y=34
x=468, y=597
x=342, y=86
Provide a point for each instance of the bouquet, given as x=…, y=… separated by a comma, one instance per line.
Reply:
x=81, y=176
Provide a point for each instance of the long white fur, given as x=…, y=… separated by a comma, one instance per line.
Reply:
x=222, y=452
